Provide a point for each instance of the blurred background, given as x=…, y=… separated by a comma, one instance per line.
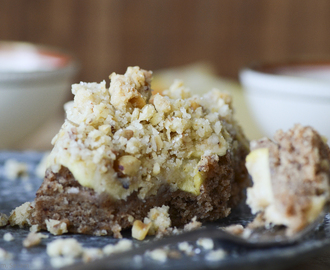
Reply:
x=223, y=35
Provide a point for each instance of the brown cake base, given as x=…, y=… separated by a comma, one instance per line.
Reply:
x=88, y=212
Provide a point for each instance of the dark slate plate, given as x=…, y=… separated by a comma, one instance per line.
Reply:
x=15, y=192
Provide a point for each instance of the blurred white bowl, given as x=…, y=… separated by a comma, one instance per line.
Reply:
x=280, y=95
x=34, y=81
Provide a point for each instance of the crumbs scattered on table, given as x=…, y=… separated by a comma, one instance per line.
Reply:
x=157, y=255
x=215, y=255
x=8, y=237
x=206, y=243
x=14, y=169
x=121, y=246
x=91, y=254
x=33, y=239
x=68, y=247
x=186, y=248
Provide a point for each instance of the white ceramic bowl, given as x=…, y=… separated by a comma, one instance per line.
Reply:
x=34, y=81
x=281, y=95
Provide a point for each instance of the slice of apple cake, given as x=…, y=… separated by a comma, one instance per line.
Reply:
x=122, y=151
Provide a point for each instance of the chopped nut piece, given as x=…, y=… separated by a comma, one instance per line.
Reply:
x=129, y=165
x=162, y=104
x=56, y=227
x=21, y=215
x=140, y=230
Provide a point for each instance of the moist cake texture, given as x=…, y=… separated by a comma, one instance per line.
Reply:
x=291, y=177
x=122, y=151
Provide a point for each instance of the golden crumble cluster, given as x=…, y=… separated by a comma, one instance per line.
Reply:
x=122, y=139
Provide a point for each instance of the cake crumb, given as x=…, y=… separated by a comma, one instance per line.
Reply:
x=160, y=220
x=14, y=169
x=56, y=227
x=5, y=255
x=192, y=225
x=21, y=215
x=186, y=248
x=3, y=220
x=68, y=247
x=158, y=255
x=236, y=229
x=121, y=246
x=91, y=254
x=206, y=243
x=33, y=239
x=59, y=262
x=215, y=255
x=8, y=237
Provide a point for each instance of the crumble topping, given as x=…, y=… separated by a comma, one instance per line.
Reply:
x=122, y=139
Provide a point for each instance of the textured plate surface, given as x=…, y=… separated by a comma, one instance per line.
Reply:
x=15, y=192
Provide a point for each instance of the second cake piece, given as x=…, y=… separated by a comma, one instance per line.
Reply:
x=291, y=177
